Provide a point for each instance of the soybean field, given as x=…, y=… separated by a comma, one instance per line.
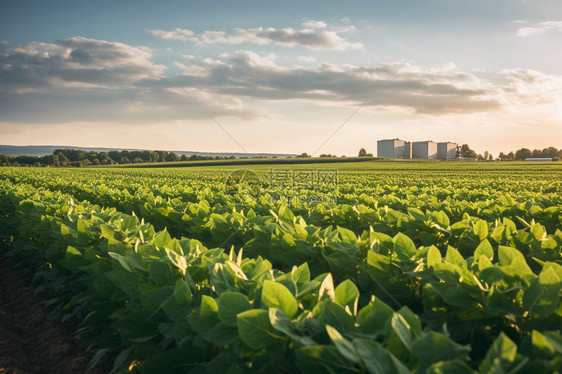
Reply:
x=360, y=267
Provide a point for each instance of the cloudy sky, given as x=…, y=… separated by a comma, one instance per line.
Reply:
x=281, y=76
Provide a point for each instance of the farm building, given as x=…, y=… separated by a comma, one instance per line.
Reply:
x=424, y=149
x=408, y=150
x=394, y=148
x=538, y=159
x=446, y=150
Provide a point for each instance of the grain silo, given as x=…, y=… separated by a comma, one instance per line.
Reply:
x=447, y=150
x=393, y=148
x=424, y=149
x=407, y=150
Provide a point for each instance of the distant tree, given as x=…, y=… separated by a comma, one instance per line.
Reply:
x=523, y=153
x=146, y=156
x=105, y=159
x=490, y=157
x=160, y=156
x=304, y=154
x=26, y=160
x=75, y=154
x=114, y=155
x=536, y=153
x=466, y=152
x=511, y=156
x=4, y=160
x=551, y=152
x=92, y=156
x=363, y=153
x=49, y=160
x=172, y=157
x=124, y=160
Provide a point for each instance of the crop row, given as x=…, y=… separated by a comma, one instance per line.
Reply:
x=172, y=304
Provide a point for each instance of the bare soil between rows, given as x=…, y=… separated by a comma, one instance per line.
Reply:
x=31, y=342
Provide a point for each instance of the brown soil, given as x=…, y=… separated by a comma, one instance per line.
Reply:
x=30, y=342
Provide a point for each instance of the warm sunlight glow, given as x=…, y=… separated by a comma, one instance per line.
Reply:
x=559, y=110
x=222, y=79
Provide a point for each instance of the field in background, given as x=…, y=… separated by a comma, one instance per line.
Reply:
x=248, y=161
x=409, y=266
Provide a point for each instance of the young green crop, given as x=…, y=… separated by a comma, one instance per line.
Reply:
x=421, y=267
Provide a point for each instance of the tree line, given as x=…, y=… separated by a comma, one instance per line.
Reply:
x=519, y=155
x=77, y=158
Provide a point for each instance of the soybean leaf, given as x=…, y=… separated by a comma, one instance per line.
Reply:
x=404, y=247
x=433, y=347
x=174, y=361
x=182, y=292
x=481, y=229
x=500, y=356
x=343, y=345
x=330, y=313
x=347, y=294
x=275, y=295
x=255, y=330
x=326, y=357
x=282, y=323
x=230, y=305
x=453, y=367
x=543, y=296
x=454, y=257
x=433, y=256
x=372, y=318
x=484, y=248
x=402, y=329
x=221, y=334
x=373, y=356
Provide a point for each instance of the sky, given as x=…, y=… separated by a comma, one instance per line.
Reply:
x=281, y=76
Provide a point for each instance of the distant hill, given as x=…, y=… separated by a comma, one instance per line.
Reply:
x=43, y=150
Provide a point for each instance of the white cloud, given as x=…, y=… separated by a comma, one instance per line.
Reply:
x=182, y=35
x=344, y=29
x=308, y=59
x=311, y=38
x=439, y=90
x=539, y=28
x=72, y=62
x=314, y=24
x=80, y=79
x=443, y=68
